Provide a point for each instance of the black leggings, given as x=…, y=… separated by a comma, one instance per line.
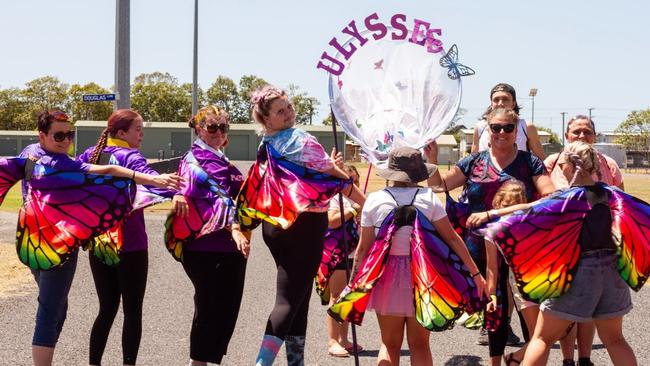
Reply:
x=499, y=338
x=127, y=280
x=218, y=280
x=297, y=253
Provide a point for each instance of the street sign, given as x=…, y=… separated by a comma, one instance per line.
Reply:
x=98, y=97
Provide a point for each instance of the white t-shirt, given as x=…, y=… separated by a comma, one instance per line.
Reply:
x=334, y=203
x=379, y=204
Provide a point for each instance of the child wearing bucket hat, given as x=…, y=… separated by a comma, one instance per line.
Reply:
x=408, y=249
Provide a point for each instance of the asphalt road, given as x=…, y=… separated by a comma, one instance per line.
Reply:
x=168, y=314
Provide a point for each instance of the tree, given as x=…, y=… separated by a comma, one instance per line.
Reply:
x=223, y=93
x=303, y=104
x=12, y=111
x=80, y=110
x=46, y=93
x=635, y=132
x=158, y=97
x=554, y=139
x=327, y=121
x=247, y=85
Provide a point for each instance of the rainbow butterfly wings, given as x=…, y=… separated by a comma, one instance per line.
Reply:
x=333, y=254
x=278, y=190
x=541, y=243
x=209, y=208
x=443, y=287
x=62, y=209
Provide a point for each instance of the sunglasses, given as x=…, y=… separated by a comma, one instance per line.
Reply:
x=507, y=128
x=213, y=128
x=60, y=136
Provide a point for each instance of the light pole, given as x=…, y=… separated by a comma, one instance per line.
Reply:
x=195, y=69
x=590, y=109
x=532, y=94
x=563, y=114
x=122, y=54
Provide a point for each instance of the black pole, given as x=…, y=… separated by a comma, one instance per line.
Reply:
x=345, y=244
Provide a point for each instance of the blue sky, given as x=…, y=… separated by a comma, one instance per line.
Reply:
x=579, y=54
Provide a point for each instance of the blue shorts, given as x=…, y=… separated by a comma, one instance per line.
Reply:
x=597, y=291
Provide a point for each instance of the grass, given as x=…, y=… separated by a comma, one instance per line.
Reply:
x=635, y=184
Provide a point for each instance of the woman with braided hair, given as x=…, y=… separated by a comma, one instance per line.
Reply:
x=119, y=143
x=597, y=290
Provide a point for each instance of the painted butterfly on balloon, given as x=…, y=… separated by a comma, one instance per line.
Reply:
x=456, y=69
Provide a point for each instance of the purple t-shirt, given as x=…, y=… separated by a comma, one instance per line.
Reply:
x=230, y=179
x=54, y=160
x=134, y=235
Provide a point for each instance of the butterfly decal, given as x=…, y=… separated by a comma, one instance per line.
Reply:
x=400, y=86
x=278, y=190
x=379, y=64
x=333, y=254
x=210, y=208
x=456, y=69
x=541, y=243
x=443, y=287
x=62, y=209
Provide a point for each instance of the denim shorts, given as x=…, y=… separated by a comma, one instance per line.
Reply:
x=597, y=291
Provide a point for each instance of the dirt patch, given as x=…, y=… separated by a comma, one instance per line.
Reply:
x=15, y=278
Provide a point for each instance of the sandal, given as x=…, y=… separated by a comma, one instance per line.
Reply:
x=336, y=350
x=510, y=358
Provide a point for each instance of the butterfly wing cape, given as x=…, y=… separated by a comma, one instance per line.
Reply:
x=541, y=243
x=395, y=93
x=278, y=190
x=631, y=231
x=209, y=208
x=443, y=287
x=11, y=171
x=333, y=254
x=62, y=209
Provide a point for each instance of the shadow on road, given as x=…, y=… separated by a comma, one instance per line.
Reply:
x=464, y=361
x=375, y=353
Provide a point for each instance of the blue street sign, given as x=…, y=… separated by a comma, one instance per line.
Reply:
x=98, y=97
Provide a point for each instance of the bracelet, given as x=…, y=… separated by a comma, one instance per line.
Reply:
x=354, y=212
x=493, y=214
x=133, y=177
x=493, y=298
x=476, y=274
x=487, y=214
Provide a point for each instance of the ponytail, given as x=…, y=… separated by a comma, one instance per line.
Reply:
x=99, y=147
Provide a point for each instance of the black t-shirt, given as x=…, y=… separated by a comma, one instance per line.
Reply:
x=596, y=231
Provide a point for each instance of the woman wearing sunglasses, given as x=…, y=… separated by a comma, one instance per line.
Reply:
x=214, y=262
x=121, y=140
x=55, y=137
x=482, y=174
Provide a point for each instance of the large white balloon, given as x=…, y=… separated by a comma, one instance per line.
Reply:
x=393, y=93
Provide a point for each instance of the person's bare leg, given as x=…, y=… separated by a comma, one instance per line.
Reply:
x=610, y=332
x=530, y=315
x=548, y=330
x=418, y=340
x=336, y=332
x=42, y=356
x=392, y=336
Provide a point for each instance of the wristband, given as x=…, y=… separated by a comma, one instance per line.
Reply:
x=493, y=213
x=354, y=212
x=133, y=177
x=476, y=274
x=493, y=298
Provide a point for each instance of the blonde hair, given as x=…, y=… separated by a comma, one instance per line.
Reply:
x=511, y=115
x=202, y=115
x=261, y=100
x=513, y=189
x=584, y=159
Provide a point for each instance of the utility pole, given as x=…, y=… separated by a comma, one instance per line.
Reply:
x=532, y=94
x=123, y=54
x=563, y=133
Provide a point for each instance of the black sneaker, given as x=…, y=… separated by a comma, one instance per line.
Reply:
x=482, y=337
x=567, y=362
x=584, y=362
x=513, y=340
